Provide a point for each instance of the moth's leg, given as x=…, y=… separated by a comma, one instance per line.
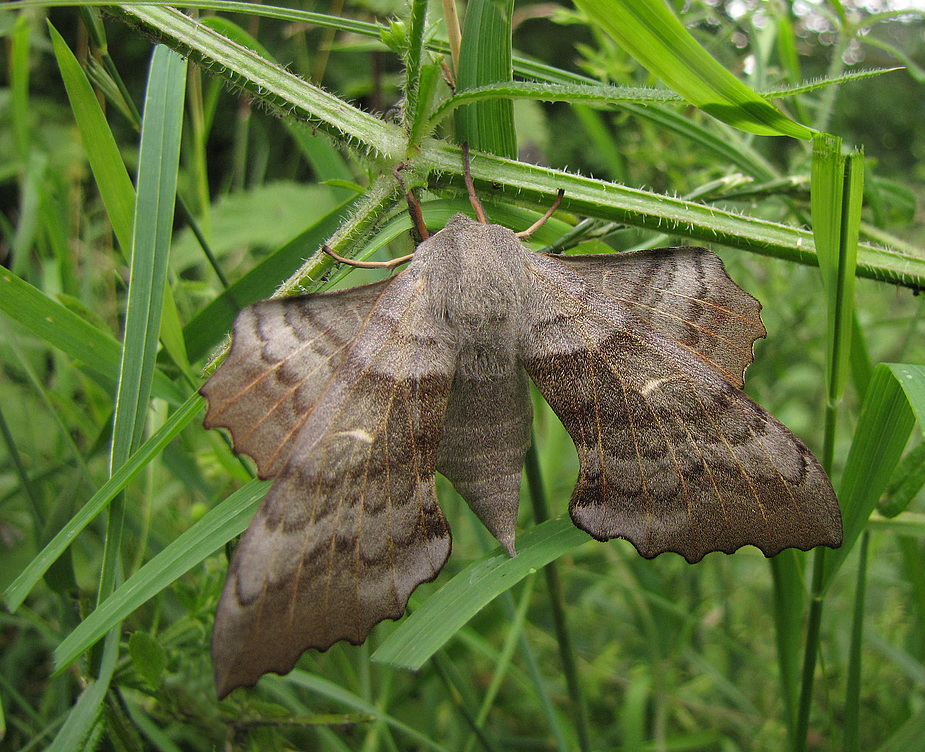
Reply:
x=367, y=264
x=414, y=206
x=473, y=199
x=542, y=220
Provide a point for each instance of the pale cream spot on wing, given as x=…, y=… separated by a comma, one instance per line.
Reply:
x=359, y=434
x=652, y=384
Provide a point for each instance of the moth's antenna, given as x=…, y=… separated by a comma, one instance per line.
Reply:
x=391, y=264
x=473, y=199
x=414, y=206
x=542, y=220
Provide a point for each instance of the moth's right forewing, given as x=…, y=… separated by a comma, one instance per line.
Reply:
x=686, y=294
x=673, y=456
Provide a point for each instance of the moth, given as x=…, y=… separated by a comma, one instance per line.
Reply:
x=351, y=400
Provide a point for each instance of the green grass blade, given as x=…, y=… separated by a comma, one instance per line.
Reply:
x=112, y=179
x=17, y=591
x=837, y=192
x=158, y=161
x=446, y=611
x=910, y=737
x=540, y=506
x=787, y=572
x=87, y=709
x=70, y=333
x=651, y=33
x=214, y=530
x=852, y=722
x=485, y=58
x=20, y=45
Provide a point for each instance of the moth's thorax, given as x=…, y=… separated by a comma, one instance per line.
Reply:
x=475, y=277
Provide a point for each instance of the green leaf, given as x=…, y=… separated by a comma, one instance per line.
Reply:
x=894, y=400
x=651, y=33
x=485, y=58
x=837, y=194
x=910, y=737
x=905, y=484
x=332, y=691
x=445, y=612
x=158, y=161
x=112, y=179
x=69, y=332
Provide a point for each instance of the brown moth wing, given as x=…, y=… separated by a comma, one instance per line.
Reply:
x=282, y=356
x=686, y=293
x=673, y=456
x=351, y=525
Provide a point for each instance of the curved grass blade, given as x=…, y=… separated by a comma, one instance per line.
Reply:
x=334, y=692
x=485, y=58
x=445, y=612
x=651, y=33
x=112, y=180
x=67, y=331
x=895, y=400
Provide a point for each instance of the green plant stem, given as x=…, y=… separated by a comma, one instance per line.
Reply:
x=809, y=656
x=853, y=686
x=456, y=696
x=814, y=624
x=557, y=601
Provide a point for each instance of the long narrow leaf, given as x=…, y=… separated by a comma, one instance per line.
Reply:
x=837, y=190
x=67, y=331
x=159, y=157
x=485, y=58
x=112, y=179
x=895, y=399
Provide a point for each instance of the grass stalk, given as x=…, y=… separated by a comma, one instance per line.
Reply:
x=852, y=724
x=557, y=602
x=810, y=654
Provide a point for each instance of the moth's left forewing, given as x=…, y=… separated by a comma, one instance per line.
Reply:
x=673, y=456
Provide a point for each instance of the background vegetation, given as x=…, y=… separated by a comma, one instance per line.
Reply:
x=115, y=504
